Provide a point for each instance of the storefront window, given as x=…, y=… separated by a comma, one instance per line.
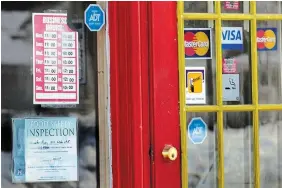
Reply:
x=268, y=7
x=196, y=6
x=17, y=88
x=269, y=66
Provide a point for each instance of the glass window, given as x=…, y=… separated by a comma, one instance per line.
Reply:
x=198, y=6
x=237, y=149
x=270, y=149
x=268, y=7
x=207, y=59
x=269, y=61
x=202, y=165
x=17, y=87
x=240, y=57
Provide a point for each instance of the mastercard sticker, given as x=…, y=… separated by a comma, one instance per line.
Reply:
x=197, y=43
x=267, y=39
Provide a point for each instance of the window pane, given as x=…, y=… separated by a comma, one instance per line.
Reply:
x=196, y=6
x=201, y=56
x=17, y=84
x=267, y=7
x=269, y=61
x=270, y=149
x=202, y=168
x=237, y=86
x=237, y=149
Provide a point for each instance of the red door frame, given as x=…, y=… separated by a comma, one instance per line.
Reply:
x=164, y=92
x=144, y=93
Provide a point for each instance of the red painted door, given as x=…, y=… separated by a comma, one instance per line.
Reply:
x=164, y=94
x=144, y=94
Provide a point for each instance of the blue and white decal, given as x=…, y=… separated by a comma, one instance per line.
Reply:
x=94, y=17
x=197, y=130
x=232, y=38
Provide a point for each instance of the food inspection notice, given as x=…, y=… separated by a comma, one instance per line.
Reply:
x=55, y=60
x=51, y=149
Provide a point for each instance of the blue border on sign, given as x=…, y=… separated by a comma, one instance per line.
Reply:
x=103, y=13
x=208, y=32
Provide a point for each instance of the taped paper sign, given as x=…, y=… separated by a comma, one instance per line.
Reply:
x=229, y=66
x=231, y=5
x=55, y=60
x=45, y=149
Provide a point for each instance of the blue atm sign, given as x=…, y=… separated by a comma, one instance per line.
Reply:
x=232, y=38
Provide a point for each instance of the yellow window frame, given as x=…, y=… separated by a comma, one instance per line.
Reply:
x=255, y=107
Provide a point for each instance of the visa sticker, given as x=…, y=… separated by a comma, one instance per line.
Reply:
x=267, y=39
x=197, y=43
x=232, y=38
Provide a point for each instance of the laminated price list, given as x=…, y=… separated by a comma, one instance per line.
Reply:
x=55, y=60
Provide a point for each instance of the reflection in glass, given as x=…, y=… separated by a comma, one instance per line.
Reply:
x=202, y=166
x=267, y=7
x=17, y=101
x=269, y=62
x=270, y=149
x=237, y=149
x=196, y=6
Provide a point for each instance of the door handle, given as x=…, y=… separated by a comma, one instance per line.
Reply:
x=169, y=152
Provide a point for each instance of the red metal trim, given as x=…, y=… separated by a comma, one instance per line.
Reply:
x=129, y=94
x=144, y=35
x=164, y=94
x=114, y=95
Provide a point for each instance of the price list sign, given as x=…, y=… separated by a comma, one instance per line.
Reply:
x=55, y=60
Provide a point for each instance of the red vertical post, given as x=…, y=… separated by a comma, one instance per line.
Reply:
x=129, y=94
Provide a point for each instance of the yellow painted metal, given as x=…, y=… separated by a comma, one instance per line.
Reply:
x=256, y=156
x=225, y=108
x=199, y=16
x=234, y=108
x=211, y=16
x=237, y=17
x=268, y=17
x=270, y=107
x=219, y=107
x=184, y=152
x=208, y=108
x=220, y=137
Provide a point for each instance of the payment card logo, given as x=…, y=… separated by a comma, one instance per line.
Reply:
x=197, y=43
x=232, y=38
x=267, y=39
x=194, y=82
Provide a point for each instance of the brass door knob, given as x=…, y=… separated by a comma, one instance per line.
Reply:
x=169, y=152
